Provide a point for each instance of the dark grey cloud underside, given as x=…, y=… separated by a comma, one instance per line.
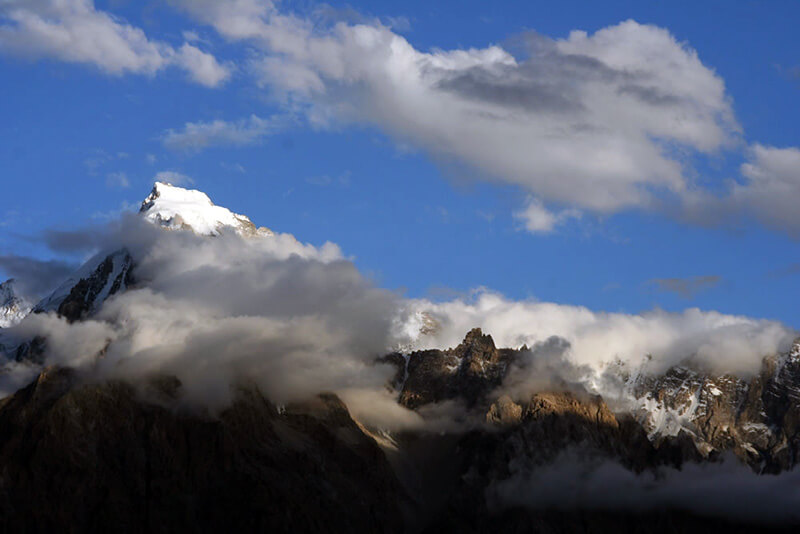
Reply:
x=35, y=277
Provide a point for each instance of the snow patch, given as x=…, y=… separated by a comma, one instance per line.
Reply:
x=13, y=308
x=177, y=208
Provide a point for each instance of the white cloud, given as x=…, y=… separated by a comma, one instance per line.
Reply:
x=590, y=121
x=723, y=342
x=174, y=178
x=202, y=66
x=191, y=36
x=234, y=19
x=196, y=136
x=76, y=32
x=537, y=219
x=598, y=122
x=768, y=191
x=772, y=190
x=297, y=319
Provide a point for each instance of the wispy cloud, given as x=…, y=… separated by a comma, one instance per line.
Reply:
x=117, y=179
x=196, y=136
x=686, y=287
x=785, y=272
x=537, y=219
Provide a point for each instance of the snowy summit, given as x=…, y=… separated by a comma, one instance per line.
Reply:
x=177, y=208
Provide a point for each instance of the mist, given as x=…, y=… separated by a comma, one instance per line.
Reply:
x=296, y=320
x=726, y=489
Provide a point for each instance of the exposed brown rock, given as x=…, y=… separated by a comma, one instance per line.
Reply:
x=469, y=372
x=504, y=411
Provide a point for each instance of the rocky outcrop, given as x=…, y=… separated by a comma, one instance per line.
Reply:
x=468, y=372
x=84, y=293
x=758, y=418
x=113, y=275
x=131, y=457
x=533, y=434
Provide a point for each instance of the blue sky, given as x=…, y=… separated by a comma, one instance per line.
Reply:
x=86, y=130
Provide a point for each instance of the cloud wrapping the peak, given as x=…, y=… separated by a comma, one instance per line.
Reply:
x=292, y=318
x=297, y=319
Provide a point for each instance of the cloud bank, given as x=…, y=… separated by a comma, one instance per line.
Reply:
x=724, y=343
x=296, y=320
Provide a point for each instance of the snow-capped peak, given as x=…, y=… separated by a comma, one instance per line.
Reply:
x=13, y=308
x=177, y=208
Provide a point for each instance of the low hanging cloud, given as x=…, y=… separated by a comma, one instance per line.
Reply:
x=720, y=342
x=75, y=31
x=297, y=319
x=728, y=490
x=196, y=136
x=292, y=318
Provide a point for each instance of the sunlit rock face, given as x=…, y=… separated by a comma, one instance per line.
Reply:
x=757, y=417
x=467, y=372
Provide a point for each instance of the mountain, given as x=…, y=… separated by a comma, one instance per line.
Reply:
x=174, y=208
x=110, y=272
x=758, y=417
x=107, y=273
x=133, y=455
x=83, y=457
x=13, y=308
